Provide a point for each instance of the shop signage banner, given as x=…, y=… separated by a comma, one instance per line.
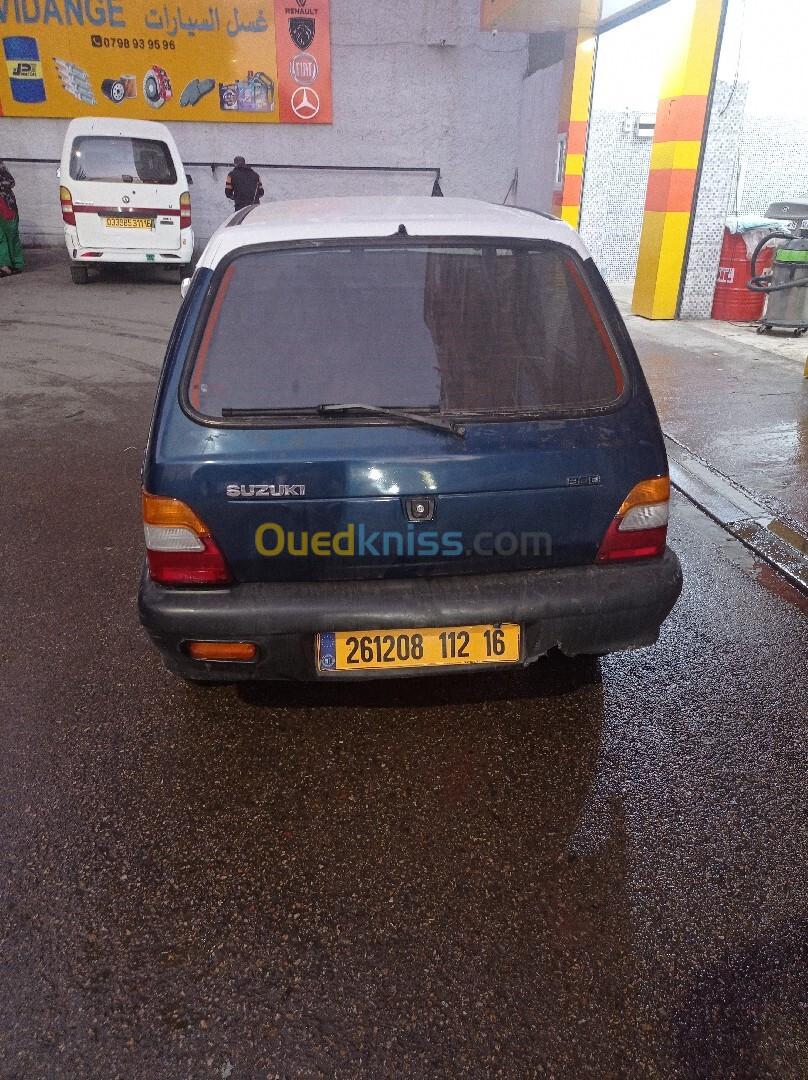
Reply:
x=245, y=60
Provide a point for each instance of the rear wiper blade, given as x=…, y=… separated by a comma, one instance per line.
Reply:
x=397, y=414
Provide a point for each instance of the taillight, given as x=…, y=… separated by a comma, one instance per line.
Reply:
x=640, y=527
x=179, y=546
x=66, y=199
x=185, y=210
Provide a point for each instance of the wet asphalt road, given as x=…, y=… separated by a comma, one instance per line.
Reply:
x=590, y=869
x=740, y=402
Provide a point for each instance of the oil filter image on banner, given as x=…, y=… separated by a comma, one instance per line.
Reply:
x=24, y=70
x=114, y=90
x=119, y=90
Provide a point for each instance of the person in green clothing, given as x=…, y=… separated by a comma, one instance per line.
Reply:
x=11, y=260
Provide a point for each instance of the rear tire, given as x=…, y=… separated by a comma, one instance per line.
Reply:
x=79, y=274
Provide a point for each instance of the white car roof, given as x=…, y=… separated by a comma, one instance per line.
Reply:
x=359, y=217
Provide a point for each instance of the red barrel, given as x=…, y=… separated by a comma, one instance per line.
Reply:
x=732, y=300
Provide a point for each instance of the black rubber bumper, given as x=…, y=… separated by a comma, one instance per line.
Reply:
x=589, y=609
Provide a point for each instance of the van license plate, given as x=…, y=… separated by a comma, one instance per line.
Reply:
x=432, y=646
x=128, y=223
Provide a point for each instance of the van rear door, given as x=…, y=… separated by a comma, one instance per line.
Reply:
x=125, y=193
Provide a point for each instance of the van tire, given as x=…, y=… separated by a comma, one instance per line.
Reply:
x=79, y=274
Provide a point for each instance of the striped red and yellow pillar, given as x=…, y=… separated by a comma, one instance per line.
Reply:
x=675, y=155
x=578, y=19
x=573, y=122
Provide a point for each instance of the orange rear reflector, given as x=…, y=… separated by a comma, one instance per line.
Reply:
x=222, y=650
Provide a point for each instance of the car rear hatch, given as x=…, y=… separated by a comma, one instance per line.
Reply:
x=125, y=193
x=528, y=426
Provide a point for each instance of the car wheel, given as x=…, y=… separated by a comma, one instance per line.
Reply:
x=79, y=274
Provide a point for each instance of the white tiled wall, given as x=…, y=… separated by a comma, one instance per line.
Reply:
x=773, y=161
x=716, y=199
x=617, y=164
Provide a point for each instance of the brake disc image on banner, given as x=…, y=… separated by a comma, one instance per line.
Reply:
x=156, y=87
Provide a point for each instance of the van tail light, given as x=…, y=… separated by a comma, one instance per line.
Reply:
x=66, y=199
x=179, y=546
x=185, y=210
x=640, y=527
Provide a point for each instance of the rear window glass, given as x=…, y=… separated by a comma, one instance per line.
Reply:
x=109, y=159
x=467, y=329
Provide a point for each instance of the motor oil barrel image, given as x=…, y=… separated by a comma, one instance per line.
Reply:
x=24, y=69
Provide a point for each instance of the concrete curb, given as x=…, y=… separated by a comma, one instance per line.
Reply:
x=777, y=541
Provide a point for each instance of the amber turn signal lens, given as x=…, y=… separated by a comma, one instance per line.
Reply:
x=656, y=490
x=222, y=650
x=160, y=510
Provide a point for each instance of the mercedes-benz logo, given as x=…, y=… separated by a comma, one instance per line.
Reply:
x=126, y=198
x=305, y=103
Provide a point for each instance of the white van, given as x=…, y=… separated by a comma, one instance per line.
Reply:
x=124, y=195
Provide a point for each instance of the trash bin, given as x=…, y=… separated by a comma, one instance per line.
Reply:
x=732, y=300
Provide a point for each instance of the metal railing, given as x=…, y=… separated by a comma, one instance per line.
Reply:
x=428, y=170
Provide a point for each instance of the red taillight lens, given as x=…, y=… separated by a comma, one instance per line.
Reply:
x=640, y=527
x=66, y=199
x=179, y=546
x=642, y=544
x=185, y=210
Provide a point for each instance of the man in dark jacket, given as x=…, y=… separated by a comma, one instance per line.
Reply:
x=243, y=185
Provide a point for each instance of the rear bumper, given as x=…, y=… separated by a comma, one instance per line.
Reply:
x=180, y=256
x=590, y=609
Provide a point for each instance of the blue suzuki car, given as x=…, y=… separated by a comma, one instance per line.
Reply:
x=399, y=436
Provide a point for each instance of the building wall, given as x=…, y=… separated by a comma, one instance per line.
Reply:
x=615, y=182
x=755, y=152
x=414, y=84
x=538, y=136
x=773, y=161
x=749, y=163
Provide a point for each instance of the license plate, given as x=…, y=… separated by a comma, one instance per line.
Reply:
x=128, y=223
x=431, y=646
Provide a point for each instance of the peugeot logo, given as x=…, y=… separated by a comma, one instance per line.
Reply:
x=305, y=103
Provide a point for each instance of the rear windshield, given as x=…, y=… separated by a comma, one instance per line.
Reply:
x=462, y=330
x=111, y=159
